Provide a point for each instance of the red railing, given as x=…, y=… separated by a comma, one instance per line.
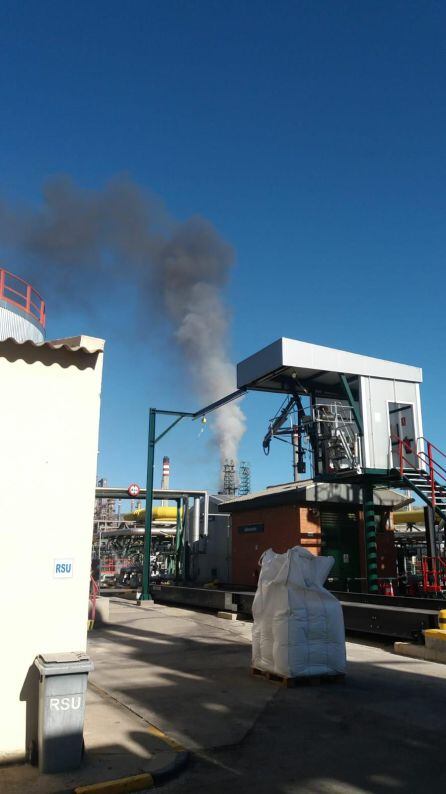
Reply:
x=434, y=574
x=19, y=293
x=433, y=469
x=112, y=566
x=94, y=592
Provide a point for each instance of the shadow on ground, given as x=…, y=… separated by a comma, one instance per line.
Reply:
x=380, y=731
x=195, y=686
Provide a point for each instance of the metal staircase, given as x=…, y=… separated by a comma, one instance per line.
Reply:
x=427, y=477
x=419, y=481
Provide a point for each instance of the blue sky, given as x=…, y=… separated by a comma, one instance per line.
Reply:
x=311, y=134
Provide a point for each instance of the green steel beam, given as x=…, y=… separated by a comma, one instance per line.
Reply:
x=370, y=538
x=181, y=516
x=145, y=594
x=213, y=406
x=353, y=404
x=173, y=558
x=164, y=433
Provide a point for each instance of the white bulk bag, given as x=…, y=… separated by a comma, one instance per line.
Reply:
x=298, y=624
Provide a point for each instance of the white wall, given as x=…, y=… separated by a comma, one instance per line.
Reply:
x=49, y=409
x=376, y=393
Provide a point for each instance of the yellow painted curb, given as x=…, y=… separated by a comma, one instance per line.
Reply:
x=121, y=786
x=159, y=734
x=126, y=785
x=439, y=634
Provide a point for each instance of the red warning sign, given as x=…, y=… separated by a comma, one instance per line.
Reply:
x=133, y=489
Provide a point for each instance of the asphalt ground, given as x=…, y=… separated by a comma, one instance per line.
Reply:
x=380, y=730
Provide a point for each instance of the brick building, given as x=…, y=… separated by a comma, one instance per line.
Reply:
x=325, y=518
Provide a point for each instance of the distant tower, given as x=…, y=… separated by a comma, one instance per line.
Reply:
x=244, y=478
x=165, y=479
x=229, y=487
x=104, y=508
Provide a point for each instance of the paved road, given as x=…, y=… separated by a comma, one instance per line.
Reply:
x=372, y=734
x=187, y=672
x=381, y=731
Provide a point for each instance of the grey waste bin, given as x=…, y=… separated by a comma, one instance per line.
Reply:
x=62, y=693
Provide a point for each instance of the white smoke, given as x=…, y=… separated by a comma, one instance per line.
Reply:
x=82, y=236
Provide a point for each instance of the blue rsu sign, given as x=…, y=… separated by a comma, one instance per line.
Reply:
x=63, y=569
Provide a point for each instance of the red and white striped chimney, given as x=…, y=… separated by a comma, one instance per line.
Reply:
x=165, y=479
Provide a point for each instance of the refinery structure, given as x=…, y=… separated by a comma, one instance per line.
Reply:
x=353, y=423
x=365, y=487
x=180, y=541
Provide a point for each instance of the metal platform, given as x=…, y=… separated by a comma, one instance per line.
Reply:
x=386, y=616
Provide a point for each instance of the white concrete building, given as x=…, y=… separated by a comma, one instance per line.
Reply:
x=49, y=409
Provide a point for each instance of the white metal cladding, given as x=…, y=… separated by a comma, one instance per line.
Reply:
x=321, y=364
x=14, y=326
x=376, y=394
x=317, y=369
x=332, y=360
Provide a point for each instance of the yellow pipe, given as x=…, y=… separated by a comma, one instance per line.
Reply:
x=165, y=512
x=411, y=517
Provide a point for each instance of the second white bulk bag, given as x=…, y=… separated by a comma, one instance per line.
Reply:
x=298, y=625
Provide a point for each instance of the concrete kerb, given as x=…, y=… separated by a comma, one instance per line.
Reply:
x=146, y=780
x=127, y=785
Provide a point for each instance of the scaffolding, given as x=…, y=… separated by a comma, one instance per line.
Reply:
x=244, y=478
x=229, y=485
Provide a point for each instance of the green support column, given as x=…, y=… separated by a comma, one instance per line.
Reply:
x=179, y=541
x=184, y=550
x=353, y=404
x=146, y=595
x=370, y=538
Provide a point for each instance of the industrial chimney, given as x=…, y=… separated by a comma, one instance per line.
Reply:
x=165, y=479
x=22, y=310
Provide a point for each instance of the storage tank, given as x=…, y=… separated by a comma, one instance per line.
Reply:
x=22, y=310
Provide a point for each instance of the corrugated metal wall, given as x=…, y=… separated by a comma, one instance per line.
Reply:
x=14, y=325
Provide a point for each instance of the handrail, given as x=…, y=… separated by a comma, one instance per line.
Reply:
x=23, y=297
x=434, y=462
x=423, y=438
x=94, y=592
x=434, y=574
x=433, y=466
x=407, y=447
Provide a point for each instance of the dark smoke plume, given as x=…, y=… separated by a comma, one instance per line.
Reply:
x=78, y=236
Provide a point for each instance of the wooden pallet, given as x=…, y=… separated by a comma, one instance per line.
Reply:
x=283, y=680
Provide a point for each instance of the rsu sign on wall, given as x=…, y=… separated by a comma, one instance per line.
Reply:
x=63, y=569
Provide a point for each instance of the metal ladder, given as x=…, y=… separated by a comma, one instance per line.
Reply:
x=342, y=440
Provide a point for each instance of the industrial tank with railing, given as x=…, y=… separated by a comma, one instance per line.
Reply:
x=22, y=310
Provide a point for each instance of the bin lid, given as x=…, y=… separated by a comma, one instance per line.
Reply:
x=63, y=663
